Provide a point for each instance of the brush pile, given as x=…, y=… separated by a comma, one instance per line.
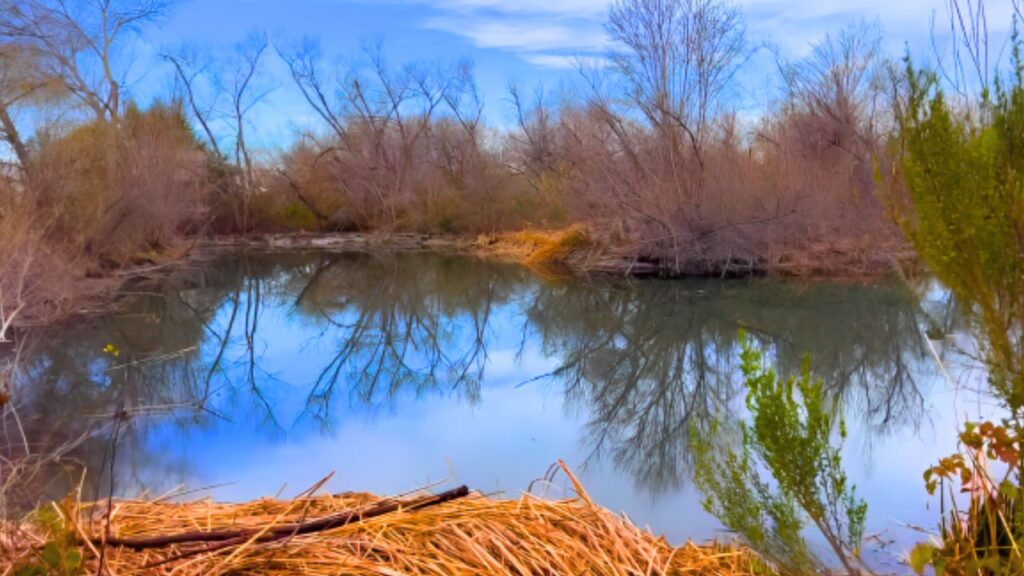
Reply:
x=455, y=532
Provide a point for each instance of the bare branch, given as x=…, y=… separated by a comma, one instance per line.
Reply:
x=76, y=43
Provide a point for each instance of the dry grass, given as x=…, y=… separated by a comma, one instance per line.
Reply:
x=545, y=250
x=471, y=535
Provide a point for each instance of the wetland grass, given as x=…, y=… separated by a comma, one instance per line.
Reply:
x=463, y=533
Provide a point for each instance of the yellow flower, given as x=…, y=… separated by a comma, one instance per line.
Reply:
x=112, y=350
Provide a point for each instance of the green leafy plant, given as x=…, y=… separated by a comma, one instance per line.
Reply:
x=60, y=555
x=984, y=538
x=795, y=436
x=963, y=168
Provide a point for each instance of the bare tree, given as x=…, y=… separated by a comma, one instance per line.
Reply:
x=77, y=43
x=966, y=66
x=391, y=127
x=397, y=105
x=537, y=131
x=190, y=71
x=245, y=95
x=304, y=63
x=838, y=78
x=676, y=58
x=835, y=92
x=221, y=95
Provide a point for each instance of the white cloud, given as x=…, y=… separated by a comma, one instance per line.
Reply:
x=549, y=33
x=546, y=33
x=564, y=62
x=527, y=36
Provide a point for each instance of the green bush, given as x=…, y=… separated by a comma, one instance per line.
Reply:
x=964, y=175
x=790, y=436
x=963, y=167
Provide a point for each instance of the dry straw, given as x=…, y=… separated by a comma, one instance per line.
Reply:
x=468, y=533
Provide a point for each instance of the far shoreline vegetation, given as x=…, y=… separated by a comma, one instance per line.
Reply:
x=862, y=164
x=645, y=158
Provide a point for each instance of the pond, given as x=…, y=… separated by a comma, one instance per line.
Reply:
x=260, y=373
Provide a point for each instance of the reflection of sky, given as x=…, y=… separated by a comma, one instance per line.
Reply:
x=508, y=440
x=503, y=440
x=501, y=444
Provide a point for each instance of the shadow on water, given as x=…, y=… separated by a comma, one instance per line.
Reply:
x=289, y=346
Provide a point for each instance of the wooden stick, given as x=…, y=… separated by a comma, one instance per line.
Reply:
x=231, y=537
x=321, y=525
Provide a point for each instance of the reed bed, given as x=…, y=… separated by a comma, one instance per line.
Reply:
x=468, y=534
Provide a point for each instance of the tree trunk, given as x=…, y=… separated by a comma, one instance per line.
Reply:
x=12, y=137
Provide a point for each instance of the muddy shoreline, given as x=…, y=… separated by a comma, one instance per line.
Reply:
x=820, y=263
x=827, y=264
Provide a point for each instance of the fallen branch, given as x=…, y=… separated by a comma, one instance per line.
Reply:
x=227, y=538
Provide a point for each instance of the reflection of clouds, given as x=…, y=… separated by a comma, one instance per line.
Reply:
x=889, y=476
x=504, y=442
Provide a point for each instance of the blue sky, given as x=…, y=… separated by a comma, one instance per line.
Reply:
x=532, y=42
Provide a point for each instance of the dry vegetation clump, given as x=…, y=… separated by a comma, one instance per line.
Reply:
x=664, y=178
x=793, y=201
x=114, y=192
x=37, y=278
x=471, y=535
x=549, y=251
x=105, y=198
x=445, y=180
x=406, y=150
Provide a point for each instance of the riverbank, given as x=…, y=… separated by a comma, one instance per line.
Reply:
x=564, y=253
x=574, y=251
x=454, y=532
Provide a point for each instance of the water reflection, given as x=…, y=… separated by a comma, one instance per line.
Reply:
x=401, y=327
x=645, y=360
x=289, y=346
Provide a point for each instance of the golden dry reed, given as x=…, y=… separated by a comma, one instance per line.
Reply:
x=470, y=535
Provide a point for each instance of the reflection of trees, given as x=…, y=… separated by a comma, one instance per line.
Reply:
x=402, y=326
x=70, y=392
x=647, y=360
x=644, y=360
x=864, y=341
x=639, y=363
x=71, y=389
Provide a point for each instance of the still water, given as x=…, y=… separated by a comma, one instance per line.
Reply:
x=260, y=373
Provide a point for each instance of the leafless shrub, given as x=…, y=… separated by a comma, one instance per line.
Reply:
x=796, y=189
x=37, y=281
x=406, y=149
x=113, y=204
